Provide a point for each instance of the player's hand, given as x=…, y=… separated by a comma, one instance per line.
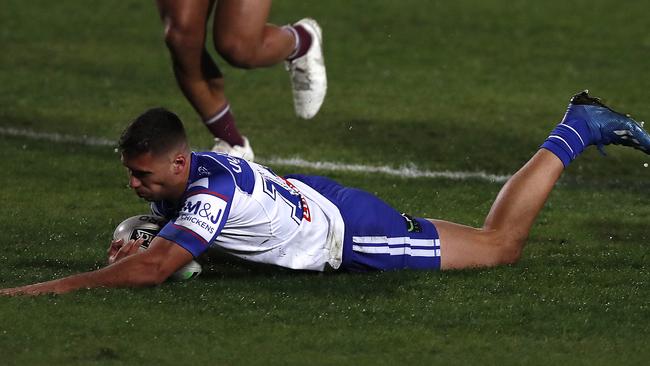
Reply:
x=49, y=287
x=113, y=249
x=118, y=250
x=11, y=291
x=30, y=290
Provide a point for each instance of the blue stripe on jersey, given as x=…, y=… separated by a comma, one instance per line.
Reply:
x=205, y=206
x=239, y=169
x=183, y=236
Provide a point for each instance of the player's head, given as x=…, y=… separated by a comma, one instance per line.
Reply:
x=157, y=131
x=155, y=151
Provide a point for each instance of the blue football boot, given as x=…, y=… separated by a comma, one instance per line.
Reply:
x=606, y=126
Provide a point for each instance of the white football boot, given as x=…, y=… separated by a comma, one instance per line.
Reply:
x=308, y=76
x=244, y=152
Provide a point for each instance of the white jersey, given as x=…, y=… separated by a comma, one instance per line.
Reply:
x=250, y=212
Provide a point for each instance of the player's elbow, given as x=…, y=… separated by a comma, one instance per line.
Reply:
x=159, y=278
x=149, y=277
x=151, y=280
x=150, y=273
x=159, y=274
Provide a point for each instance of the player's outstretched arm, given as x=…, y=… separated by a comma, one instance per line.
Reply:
x=146, y=268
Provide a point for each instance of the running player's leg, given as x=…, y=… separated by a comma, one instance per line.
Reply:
x=196, y=73
x=243, y=37
x=506, y=227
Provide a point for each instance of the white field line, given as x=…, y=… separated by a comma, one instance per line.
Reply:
x=56, y=137
x=410, y=171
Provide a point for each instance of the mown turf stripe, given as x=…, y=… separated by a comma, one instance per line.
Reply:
x=410, y=171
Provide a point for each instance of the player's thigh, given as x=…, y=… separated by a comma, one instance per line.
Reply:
x=185, y=19
x=241, y=20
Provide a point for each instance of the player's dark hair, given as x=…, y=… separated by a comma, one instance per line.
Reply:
x=156, y=131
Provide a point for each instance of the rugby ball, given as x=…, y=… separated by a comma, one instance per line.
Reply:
x=147, y=227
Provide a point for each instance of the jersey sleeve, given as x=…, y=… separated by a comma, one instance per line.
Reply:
x=203, y=213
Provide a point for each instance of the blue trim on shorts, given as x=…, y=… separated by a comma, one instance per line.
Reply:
x=377, y=236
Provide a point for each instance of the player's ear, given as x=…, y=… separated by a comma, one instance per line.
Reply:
x=179, y=163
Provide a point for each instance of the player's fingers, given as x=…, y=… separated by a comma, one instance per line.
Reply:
x=115, y=255
x=113, y=249
x=115, y=246
x=123, y=251
x=10, y=291
x=128, y=249
x=135, y=246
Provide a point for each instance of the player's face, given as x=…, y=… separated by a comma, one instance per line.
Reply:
x=152, y=177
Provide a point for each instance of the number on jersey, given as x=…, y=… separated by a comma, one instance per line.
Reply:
x=278, y=187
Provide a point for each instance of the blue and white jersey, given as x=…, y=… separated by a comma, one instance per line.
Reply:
x=250, y=212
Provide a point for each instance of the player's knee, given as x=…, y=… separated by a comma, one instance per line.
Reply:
x=505, y=248
x=509, y=251
x=237, y=51
x=509, y=255
x=181, y=37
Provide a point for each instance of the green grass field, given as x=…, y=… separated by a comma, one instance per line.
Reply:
x=462, y=86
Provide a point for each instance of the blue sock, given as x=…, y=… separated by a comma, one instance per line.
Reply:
x=569, y=138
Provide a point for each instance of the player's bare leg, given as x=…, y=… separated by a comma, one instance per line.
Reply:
x=506, y=228
x=197, y=75
x=243, y=37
